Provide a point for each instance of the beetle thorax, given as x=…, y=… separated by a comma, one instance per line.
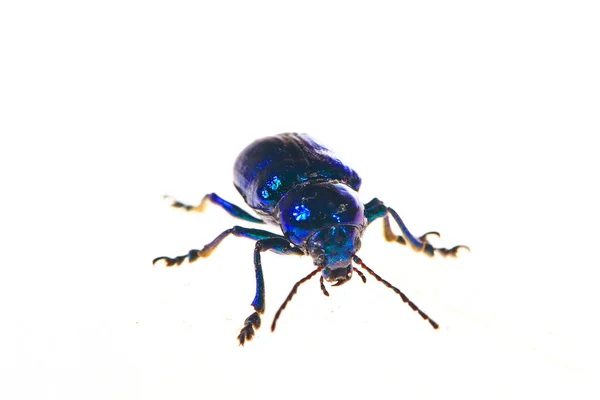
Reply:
x=314, y=207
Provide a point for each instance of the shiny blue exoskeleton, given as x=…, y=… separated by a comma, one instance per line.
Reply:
x=292, y=181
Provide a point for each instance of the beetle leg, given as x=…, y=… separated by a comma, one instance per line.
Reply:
x=420, y=244
x=376, y=209
x=214, y=198
x=278, y=245
x=240, y=231
x=265, y=240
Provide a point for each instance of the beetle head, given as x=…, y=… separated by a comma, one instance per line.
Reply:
x=332, y=248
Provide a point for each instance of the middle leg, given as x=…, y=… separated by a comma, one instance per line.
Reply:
x=264, y=241
x=376, y=209
x=239, y=231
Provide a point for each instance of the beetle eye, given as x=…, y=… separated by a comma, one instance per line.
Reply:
x=357, y=243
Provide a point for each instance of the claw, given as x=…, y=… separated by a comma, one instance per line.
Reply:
x=192, y=255
x=170, y=261
x=175, y=203
x=247, y=333
x=453, y=252
x=424, y=236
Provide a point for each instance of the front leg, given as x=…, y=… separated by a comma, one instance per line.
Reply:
x=278, y=245
x=376, y=209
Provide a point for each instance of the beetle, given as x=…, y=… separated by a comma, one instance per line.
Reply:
x=292, y=181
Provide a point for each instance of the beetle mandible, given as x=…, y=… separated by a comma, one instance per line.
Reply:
x=292, y=181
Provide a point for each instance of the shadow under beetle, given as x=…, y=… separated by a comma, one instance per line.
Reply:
x=294, y=182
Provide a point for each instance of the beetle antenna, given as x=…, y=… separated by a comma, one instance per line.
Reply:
x=397, y=291
x=292, y=293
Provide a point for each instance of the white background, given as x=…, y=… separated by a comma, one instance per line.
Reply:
x=479, y=121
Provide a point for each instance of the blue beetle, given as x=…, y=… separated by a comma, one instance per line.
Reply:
x=292, y=181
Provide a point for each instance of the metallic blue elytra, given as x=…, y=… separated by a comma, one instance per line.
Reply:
x=293, y=182
x=270, y=167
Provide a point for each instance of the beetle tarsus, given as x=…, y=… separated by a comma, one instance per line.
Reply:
x=191, y=256
x=250, y=324
x=420, y=244
x=187, y=207
x=176, y=261
x=453, y=252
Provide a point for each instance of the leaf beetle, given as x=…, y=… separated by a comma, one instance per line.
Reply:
x=292, y=181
